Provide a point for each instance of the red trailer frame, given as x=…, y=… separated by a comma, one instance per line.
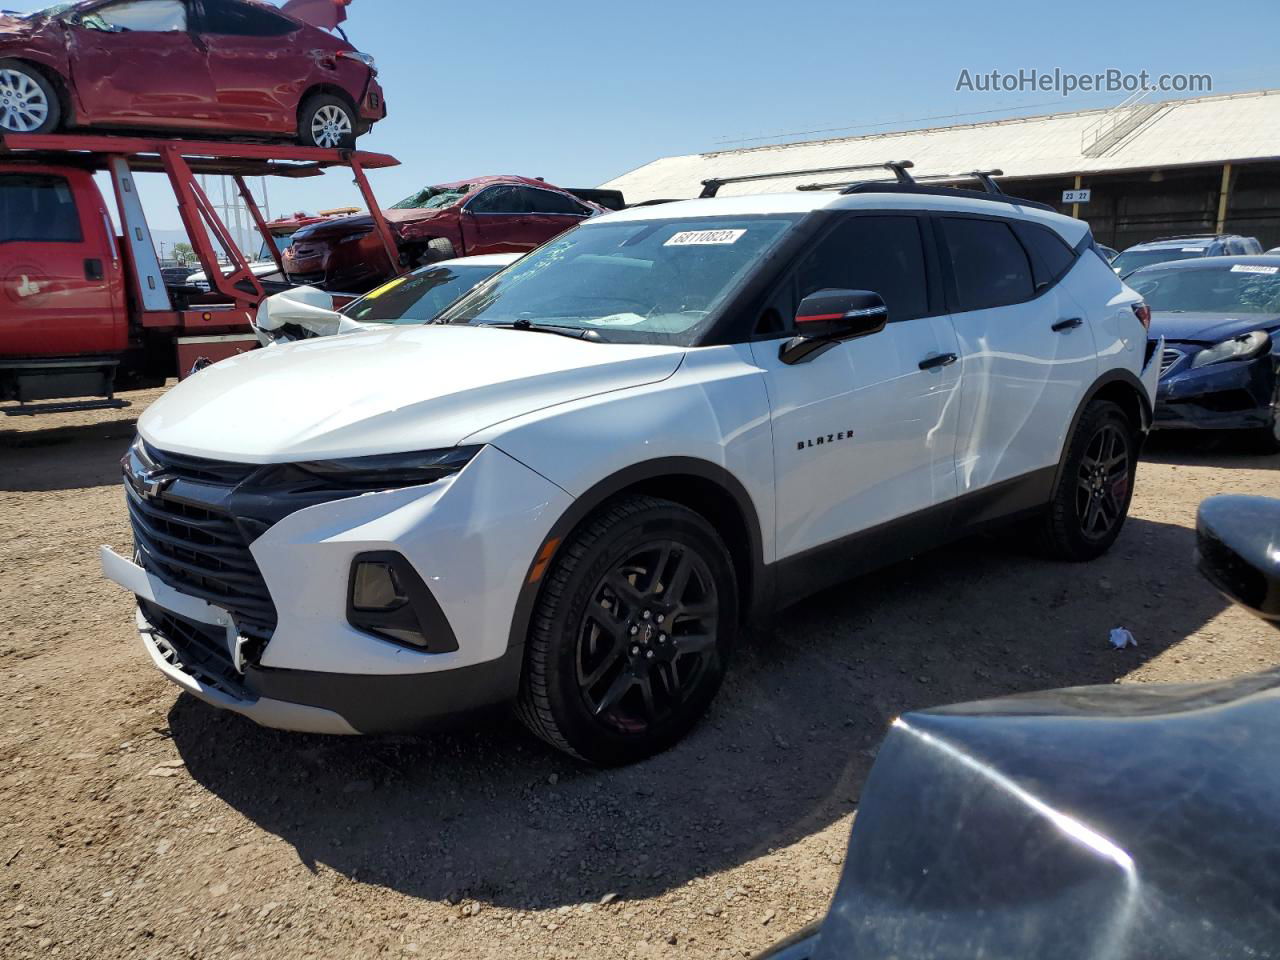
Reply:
x=182, y=161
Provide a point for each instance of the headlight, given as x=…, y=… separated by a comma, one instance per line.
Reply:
x=1237, y=348
x=359, y=57
x=277, y=490
x=386, y=471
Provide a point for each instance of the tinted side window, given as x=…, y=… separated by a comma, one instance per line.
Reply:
x=228, y=18
x=38, y=208
x=882, y=254
x=990, y=267
x=502, y=199
x=546, y=201
x=1050, y=255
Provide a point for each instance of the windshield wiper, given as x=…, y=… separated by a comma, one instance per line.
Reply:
x=577, y=333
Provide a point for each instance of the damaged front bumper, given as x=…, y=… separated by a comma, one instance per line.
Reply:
x=1235, y=395
x=179, y=657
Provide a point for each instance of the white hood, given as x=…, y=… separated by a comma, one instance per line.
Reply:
x=410, y=388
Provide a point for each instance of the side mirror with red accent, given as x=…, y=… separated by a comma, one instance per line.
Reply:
x=829, y=317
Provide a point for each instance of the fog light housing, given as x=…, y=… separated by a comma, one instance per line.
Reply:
x=388, y=599
x=375, y=588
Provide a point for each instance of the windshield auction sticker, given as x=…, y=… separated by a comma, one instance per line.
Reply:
x=692, y=238
x=1254, y=268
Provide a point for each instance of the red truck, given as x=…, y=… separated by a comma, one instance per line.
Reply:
x=82, y=306
x=496, y=214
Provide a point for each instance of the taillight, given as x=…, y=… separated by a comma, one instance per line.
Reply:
x=1143, y=313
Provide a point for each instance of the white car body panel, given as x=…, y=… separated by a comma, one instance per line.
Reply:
x=878, y=433
x=403, y=389
x=306, y=561
x=714, y=409
x=1018, y=376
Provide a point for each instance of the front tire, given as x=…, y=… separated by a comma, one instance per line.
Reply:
x=28, y=101
x=1095, y=488
x=327, y=121
x=631, y=633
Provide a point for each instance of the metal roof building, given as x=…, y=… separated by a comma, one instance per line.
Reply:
x=1203, y=164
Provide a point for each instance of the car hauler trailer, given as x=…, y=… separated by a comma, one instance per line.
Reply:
x=81, y=306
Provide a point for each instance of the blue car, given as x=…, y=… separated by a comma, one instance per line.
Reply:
x=1220, y=317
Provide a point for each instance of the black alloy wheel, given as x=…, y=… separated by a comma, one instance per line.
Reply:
x=631, y=632
x=648, y=636
x=1103, y=481
x=1094, y=485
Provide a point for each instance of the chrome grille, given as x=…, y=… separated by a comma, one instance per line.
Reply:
x=1169, y=359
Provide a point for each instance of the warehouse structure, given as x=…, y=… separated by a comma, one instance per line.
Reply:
x=1202, y=165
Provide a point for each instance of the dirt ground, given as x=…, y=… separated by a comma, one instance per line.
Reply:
x=137, y=822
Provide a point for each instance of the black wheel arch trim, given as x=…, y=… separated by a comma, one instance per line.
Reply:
x=756, y=583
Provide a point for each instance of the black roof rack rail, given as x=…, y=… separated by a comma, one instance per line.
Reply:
x=855, y=186
x=899, y=167
x=1191, y=236
x=884, y=186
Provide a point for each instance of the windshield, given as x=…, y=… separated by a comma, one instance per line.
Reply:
x=432, y=198
x=50, y=11
x=283, y=243
x=420, y=296
x=1132, y=260
x=648, y=281
x=1241, y=288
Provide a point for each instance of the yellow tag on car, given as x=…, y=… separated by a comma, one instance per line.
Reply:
x=385, y=288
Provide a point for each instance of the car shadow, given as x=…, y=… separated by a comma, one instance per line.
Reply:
x=491, y=814
x=64, y=457
x=1225, y=448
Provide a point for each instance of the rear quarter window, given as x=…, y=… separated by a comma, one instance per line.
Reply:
x=38, y=208
x=1050, y=256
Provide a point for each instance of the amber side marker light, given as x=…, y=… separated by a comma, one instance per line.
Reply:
x=544, y=560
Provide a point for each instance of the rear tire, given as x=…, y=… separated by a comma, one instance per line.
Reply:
x=327, y=121
x=631, y=633
x=1095, y=488
x=28, y=101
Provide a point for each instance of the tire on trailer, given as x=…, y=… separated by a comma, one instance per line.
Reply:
x=1095, y=487
x=437, y=249
x=328, y=121
x=631, y=633
x=29, y=102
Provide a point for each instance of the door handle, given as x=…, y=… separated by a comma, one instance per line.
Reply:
x=93, y=269
x=941, y=360
x=1069, y=324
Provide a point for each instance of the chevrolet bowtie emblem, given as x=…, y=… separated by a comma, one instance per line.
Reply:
x=150, y=483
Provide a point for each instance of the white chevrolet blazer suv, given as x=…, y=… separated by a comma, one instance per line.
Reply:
x=577, y=487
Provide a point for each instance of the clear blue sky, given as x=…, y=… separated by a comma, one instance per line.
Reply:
x=580, y=92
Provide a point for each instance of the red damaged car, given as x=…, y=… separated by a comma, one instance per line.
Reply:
x=200, y=66
x=485, y=215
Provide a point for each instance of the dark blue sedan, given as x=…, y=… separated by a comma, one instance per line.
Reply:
x=1220, y=317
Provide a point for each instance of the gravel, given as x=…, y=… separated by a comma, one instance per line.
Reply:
x=136, y=822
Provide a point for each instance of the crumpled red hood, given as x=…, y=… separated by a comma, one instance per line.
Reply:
x=325, y=14
x=10, y=25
